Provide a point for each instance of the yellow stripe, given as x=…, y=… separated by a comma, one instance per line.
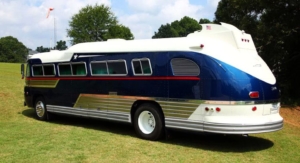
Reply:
x=171, y=107
x=42, y=83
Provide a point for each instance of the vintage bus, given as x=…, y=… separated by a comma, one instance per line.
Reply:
x=213, y=80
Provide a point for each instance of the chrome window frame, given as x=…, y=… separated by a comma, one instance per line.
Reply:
x=91, y=70
x=141, y=59
x=53, y=65
x=37, y=65
x=112, y=61
x=69, y=63
x=77, y=63
x=107, y=67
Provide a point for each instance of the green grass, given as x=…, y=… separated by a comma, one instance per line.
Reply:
x=70, y=139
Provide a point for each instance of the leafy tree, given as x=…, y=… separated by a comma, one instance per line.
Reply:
x=93, y=23
x=204, y=21
x=242, y=14
x=280, y=38
x=177, y=28
x=42, y=49
x=11, y=50
x=275, y=29
x=61, y=45
x=119, y=31
x=166, y=31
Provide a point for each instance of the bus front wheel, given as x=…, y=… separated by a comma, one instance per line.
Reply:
x=40, y=109
x=148, y=122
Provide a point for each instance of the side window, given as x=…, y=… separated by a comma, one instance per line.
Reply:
x=117, y=68
x=37, y=70
x=43, y=70
x=184, y=67
x=137, y=67
x=49, y=70
x=64, y=69
x=79, y=69
x=141, y=66
x=99, y=68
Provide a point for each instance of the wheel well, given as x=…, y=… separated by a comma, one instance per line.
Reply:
x=138, y=103
x=35, y=97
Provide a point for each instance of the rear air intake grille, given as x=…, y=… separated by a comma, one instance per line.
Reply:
x=184, y=67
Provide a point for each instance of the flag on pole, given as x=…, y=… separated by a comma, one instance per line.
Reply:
x=208, y=27
x=49, y=10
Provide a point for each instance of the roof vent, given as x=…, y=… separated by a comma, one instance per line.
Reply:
x=116, y=39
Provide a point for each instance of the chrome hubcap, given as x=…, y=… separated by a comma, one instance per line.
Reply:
x=146, y=122
x=40, y=109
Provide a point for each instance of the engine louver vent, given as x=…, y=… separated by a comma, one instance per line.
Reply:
x=184, y=67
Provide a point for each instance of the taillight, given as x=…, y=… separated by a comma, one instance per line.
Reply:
x=218, y=109
x=254, y=108
x=206, y=109
x=254, y=94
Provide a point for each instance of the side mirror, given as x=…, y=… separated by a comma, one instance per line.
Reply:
x=22, y=70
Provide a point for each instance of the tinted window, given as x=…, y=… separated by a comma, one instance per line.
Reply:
x=65, y=69
x=137, y=68
x=49, y=70
x=78, y=69
x=141, y=67
x=146, y=67
x=99, y=68
x=37, y=70
x=117, y=67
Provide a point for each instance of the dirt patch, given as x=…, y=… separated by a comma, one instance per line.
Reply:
x=3, y=94
x=291, y=115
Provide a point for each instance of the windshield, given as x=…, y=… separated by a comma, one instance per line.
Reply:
x=27, y=70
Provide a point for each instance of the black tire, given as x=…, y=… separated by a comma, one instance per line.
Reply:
x=40, y=109
x=148, y=122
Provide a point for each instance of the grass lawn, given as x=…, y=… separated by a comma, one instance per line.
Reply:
x=69, y=139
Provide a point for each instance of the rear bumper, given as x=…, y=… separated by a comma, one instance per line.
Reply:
x=242, y=129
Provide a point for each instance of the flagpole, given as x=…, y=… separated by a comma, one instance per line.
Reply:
x=54, y=31
x=54, y=27
x=54, y=38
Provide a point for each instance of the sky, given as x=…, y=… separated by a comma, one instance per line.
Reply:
x=26, y=19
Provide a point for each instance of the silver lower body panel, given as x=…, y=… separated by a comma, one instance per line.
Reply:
x=223, y=128
x=116, y=116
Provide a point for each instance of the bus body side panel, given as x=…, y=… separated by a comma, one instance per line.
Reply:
x=183, y=101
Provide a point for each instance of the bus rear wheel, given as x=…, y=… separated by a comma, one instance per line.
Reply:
x=40, y=109
x=148, y=122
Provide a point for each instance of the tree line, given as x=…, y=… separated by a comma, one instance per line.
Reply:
x=275, y=29
x=274, y=26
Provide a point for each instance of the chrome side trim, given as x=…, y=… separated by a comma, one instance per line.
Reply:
x=241, y=102
x=111, y=115
x=66, y=110
x=222, y=128
x=242, y=129
x=213, y=102
x=184, y=124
